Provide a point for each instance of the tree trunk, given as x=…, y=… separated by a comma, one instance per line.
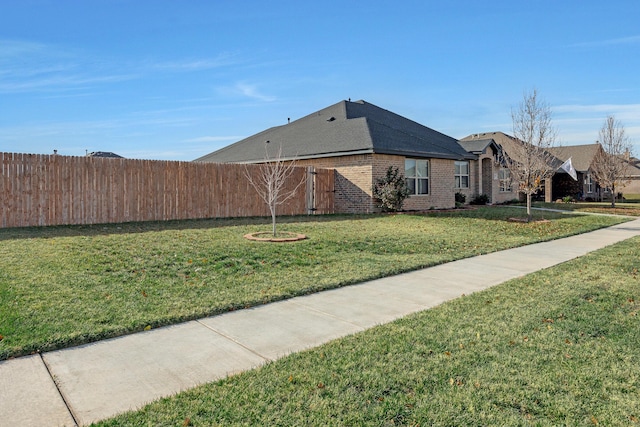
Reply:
x=273, y=221
x=529, y=216
x=613, y=195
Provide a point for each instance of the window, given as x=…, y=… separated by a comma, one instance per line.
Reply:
x=589, y=182
x=462, y=175
x=416, y=173
x=504, y=176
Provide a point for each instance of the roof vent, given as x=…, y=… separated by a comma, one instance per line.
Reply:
x=330, y=119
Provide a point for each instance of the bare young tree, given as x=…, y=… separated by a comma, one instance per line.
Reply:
x=270, y=179
x=610, y=165
x=528, y=158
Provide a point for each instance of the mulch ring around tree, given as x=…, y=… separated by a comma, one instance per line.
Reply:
x=526, y=220
x=281, y=237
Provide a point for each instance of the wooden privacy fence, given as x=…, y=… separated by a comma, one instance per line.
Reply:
x=40, y=190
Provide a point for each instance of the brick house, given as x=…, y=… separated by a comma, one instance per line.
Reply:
x=582, y=157
x=360, y=141
x=632, y=185
x=491, y=177
x=494, y=179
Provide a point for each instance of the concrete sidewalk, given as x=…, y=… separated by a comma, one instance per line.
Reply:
x=80, y=385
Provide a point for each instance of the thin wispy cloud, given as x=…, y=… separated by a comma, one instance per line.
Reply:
x=13, y=48
x=245, y=90
x=252, y=91
x=23, y=59
x=609, y=42
x=93, y=128
x=34, y=67
x=621, y=111
x=579, y=124
x=60, y=82
x=222, y=60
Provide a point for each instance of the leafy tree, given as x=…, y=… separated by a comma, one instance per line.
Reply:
x=528, y=158
x=391, y=190
x=610, y=164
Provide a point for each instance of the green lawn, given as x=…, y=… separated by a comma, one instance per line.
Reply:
x=629, y=207
x=61, y=286
x=558, y=347
x=632, y=198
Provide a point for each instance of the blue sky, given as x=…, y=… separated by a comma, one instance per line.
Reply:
x=176, y=80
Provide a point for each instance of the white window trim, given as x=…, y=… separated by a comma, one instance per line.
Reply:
x=416, y=179
x=458, y=176
x=505, y=182
x=590, y=184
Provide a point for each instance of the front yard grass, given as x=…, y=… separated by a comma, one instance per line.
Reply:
x=629, y=207
x=558, y=347
x=63, y=286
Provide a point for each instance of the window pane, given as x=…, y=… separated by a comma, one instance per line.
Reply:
x=457, y=178
x=409, y=168
x=462, y=168
x=411, y=183
x=423, y=169
x=423, y=186
x=465, y=182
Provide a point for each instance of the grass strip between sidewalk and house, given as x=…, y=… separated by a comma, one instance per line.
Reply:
x=557, y=347
x=63, y=286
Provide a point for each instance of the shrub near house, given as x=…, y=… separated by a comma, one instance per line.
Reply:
x=391, y=191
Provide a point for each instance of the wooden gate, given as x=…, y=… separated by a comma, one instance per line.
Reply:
x=320, y=191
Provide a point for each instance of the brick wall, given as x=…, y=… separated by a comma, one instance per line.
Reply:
x=441, y=188
x=632, y=186
x=472, y=190
x=491, y=182
x=355, y=176
x=353, y=181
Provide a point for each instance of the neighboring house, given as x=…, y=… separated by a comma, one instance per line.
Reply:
x=586, y=188
x=360, y=141
x=104, y=154
x=632, y=185
x=491, y=177
x=582, y=156
x=559, y=186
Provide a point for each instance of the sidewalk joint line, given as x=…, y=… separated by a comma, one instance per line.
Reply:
x=333, y=316
x=233, y=340
x=55, y=383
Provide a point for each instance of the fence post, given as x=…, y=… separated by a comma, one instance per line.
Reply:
x=311, y=190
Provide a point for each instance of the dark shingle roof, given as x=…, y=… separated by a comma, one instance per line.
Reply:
x=500, y=138
x=478, y=146
x=104, y=154
x=342, y=129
